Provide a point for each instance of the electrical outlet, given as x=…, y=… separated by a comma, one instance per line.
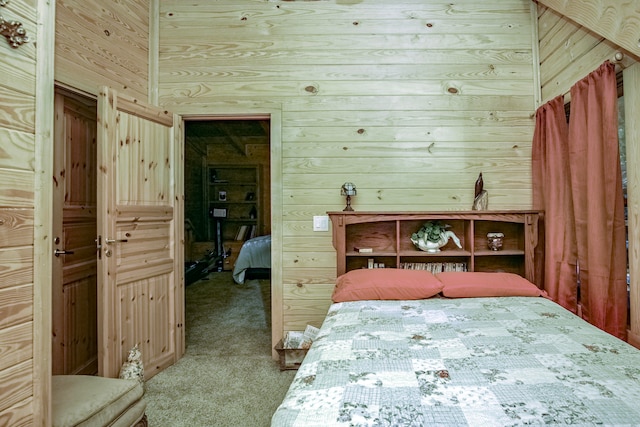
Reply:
x=320, y=223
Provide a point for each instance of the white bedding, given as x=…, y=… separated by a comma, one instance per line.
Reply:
x=507, y=361
x=254, y=253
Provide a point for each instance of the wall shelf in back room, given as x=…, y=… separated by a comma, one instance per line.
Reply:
x=234, y=189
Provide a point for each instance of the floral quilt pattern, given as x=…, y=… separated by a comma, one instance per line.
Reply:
x=510, y=361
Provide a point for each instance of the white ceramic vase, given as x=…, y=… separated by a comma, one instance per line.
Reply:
x=428, y=246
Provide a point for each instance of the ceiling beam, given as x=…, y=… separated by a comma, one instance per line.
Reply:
x=615, y=20
x=234, y=141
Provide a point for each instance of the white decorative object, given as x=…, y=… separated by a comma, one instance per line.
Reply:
x=429, y=246
x=133, y=368
x=432, y=236
x=494, y=241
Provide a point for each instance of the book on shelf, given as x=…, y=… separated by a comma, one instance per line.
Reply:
x=363, y=249
x=252, y=232
x=435, y=267
x=371, y=263
x=242, y=232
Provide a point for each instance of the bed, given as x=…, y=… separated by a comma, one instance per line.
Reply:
x=254, y=260
x=402, y=348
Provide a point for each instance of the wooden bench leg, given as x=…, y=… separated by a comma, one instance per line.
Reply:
x=143, y=422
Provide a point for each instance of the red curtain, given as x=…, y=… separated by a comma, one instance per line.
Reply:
x=598, y=200
x=552, y=193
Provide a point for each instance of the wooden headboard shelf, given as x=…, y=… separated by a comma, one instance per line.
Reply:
x=387, y=235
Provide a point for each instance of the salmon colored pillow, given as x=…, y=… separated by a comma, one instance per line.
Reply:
x=459, y=284
x=385, y=284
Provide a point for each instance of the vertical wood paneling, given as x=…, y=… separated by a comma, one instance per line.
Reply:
x=409, y=100
x=145, y=311
x=631, y=78
x=140, y=218
x=43, y=202
x=146, y=168
x=176, y=286
x=81, y=355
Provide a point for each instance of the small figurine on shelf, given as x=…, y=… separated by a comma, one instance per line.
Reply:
x=494, y=240
x=481, y=198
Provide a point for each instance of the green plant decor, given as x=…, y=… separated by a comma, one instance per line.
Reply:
x=431, y=231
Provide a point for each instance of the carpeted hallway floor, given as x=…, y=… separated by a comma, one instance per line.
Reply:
x=227, y=376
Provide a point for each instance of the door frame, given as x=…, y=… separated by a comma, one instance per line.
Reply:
x=275, y=159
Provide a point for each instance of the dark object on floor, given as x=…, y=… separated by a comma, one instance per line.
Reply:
x=194, y=272
x=198, y=270
x=258, y=274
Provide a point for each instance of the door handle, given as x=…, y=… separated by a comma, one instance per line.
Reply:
x=109, y=241
x=59, y=252
x=99, y=246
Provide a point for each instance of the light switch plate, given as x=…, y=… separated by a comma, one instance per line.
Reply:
x=320, y=223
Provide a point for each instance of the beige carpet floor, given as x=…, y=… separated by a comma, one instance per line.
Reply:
x=227, y=376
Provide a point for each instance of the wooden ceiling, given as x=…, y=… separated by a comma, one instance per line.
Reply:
x=223, y=128
x=237, y=133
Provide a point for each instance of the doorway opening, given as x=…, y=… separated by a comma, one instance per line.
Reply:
x=227, y=185
x=74, y=275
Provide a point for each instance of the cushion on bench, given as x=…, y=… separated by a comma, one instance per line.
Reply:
x=85, y=400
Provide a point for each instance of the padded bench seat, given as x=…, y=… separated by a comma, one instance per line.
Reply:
x=85, y=400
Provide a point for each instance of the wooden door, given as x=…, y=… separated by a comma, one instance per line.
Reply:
x=74, y=281
x=140, y=226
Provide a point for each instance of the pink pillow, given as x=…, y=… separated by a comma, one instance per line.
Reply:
x=486, y=284
x=385, y=284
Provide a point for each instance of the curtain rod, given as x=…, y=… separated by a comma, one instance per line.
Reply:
x=616, y=59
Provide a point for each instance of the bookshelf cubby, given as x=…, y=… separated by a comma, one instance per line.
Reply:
x=387, y=235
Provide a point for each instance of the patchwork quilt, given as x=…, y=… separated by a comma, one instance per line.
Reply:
x=509, y=361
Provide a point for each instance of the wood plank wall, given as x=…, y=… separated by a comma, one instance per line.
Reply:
x=103, y=43
x=568, y=52
x=409, y=100
x=363, y=88
x=17, y=202
x=614, y=20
